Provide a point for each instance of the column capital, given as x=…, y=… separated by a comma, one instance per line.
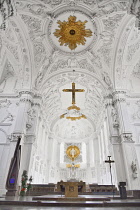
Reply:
x=14, y=136
x=119, y=96
x=119, y=92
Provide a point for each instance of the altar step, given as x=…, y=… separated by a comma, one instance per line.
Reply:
x=72, y=203
x=69, y=199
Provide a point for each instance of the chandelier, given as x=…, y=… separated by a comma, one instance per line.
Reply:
x=6, y=11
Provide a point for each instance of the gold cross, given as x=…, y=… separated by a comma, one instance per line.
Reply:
x=73, y=90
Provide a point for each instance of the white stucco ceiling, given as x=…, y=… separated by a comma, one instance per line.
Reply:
x=108, y=61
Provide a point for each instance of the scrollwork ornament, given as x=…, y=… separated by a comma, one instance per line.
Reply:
x=127, y=137
x=134, y=170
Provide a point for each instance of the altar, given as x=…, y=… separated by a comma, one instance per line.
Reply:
x=71, y=189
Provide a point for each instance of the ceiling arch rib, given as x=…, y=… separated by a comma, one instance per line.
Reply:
x=52, y=63
x=90, y=102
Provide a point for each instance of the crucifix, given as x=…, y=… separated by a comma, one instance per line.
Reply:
x=73, y=90
x=110, y=161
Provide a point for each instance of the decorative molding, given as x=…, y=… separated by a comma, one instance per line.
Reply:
x=119, y=100
x=107, y=79
x=115, y=117
x=39, y=52
x=136, y=70
x=5, y=103
x=127, y=138
x=112, y=7
x=34, y=25
x=15, y=136
x=7, y=72
x=132, y=50
x=111, y=23
x=25, y=100
x=13, y=49
x=135, y=10
x=119, y=92
x=29, y=139
x=31, y=115
x=120, y=69
x=136, y=114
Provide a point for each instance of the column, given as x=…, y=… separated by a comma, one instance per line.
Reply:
x=97, y=159
x=91, y=153
x=24, y=104
x=126, y=140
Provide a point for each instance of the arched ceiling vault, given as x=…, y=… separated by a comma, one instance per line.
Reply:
x=102, y=62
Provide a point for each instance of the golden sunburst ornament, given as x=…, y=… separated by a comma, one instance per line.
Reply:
x=72, y=33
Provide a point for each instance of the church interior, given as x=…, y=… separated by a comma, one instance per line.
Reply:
x=70, y=98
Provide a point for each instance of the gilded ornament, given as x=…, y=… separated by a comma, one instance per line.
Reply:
x=73, y=113
x=73, y=166
x=72, y=33
x=73, y=107
x=73, y=152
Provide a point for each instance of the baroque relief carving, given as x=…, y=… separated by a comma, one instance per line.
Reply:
x=105, y=51
x=7, y=72
x=90, y=2
x=95, y=59
x=13, y=49
x=8, y=118
x=37, y=9
x=33, y=24
x=106, y=79
x=39, y=52
x=41, y=73
x=111, y=23
x=84, y=64
x=51, y=95
x=136, y=115
x=115, y=117
x=136, y=70
x=5, y=103
x=127, y=137
x=113, y=7
x=52, y=2
x=73, y=63
x=132, y=50
x=121, y=70
x=10, y=35
x=31, y=114
x=107, y=36
x=134, y=170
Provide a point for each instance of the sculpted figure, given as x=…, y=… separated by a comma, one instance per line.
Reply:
x=134, y=167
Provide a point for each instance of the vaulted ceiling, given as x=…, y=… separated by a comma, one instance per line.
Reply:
x=108, y=60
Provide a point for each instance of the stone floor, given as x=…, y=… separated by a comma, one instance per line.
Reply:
x=3, y=207
x=67, y=204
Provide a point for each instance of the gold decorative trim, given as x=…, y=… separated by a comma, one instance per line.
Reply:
x=73, y=166
x=72, y=33
x=62, y=116
x=73, y=152
x=73, y=107
x=76, y=118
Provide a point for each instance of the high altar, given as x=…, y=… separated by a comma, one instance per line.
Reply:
x=71, y=189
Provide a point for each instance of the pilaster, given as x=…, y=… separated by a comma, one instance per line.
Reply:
x=130, y=159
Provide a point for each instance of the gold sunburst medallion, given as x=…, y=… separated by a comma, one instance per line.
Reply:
x=73, y=152
x=72, y=33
